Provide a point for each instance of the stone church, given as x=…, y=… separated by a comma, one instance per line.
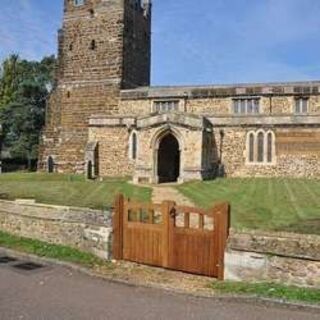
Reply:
x=104, y=119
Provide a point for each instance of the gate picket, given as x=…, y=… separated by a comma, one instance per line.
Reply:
x=150, y=234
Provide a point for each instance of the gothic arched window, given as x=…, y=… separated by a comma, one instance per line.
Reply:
x=260, y=147
x=251, y=147
x=133, y=146
x=269, y=147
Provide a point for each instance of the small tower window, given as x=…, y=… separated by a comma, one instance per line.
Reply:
x=68, y=94
x=91, y=12
x=70, y=47
x=78, y=2
x=50, y=165
x=93, y=45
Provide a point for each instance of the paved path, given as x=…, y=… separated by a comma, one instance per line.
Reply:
x=167, y=192
x=57, y=293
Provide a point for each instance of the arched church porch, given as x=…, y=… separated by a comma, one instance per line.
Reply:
x=161, y=148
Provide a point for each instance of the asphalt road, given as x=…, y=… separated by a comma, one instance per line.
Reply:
x=56, y=293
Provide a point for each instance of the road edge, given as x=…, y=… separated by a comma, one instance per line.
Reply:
x=223, y=298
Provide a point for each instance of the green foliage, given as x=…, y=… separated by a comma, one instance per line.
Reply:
x=47, y=250
x=23, y=91
x=269, y=290
x=8, y=80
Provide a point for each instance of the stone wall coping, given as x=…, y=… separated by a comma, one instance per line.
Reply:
x=224, y=90
x=278, y=234
x=55, y=213
x=292, y=245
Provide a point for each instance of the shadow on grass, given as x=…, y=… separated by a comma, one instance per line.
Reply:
x=309, y=226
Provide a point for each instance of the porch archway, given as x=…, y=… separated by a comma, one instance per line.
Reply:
x=169, y=159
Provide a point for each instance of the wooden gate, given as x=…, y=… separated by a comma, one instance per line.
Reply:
x=171, y=236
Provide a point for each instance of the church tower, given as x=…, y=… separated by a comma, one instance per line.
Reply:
x=104, y=46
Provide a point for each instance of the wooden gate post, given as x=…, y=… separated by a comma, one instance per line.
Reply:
x=166, y=208
x=221, y=218
x=117, y=224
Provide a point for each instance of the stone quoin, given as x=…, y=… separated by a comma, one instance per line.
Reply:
x=104, y=119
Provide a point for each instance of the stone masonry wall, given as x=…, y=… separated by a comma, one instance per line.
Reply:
x=297, y=146
x=103, y=46
x=66, y=136
x=297, y=153
x=220, y=106
x=85, y=229
x=278, y=257
x=113, y=151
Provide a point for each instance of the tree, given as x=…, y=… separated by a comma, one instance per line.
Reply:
x=24, y=90
x=8, y=83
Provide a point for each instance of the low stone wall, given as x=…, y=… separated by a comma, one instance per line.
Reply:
x=275, y=257
x=250, y=256
x=85, y=229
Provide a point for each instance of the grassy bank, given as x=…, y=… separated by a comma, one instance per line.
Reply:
x=269, y=290
x=270, y=204
x=43, y=249
x=69, y=190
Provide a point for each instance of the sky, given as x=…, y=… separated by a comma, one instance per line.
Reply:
x=195, y=42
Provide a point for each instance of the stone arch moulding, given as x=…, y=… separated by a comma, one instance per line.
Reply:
x=163, y=131
x=154, y=145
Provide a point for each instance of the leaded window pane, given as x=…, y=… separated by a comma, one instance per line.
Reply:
x=256, y=106
x=236, y=106
x=243, y=106
x=166, y=106
x=298, y=101
x=250, y=106
x=304, y=105
x=270, y=155
x=251, y=148
x=260, y=147
x=134, y=146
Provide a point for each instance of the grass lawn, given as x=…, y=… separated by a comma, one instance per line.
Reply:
x=69, y=190
x=271, y=204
